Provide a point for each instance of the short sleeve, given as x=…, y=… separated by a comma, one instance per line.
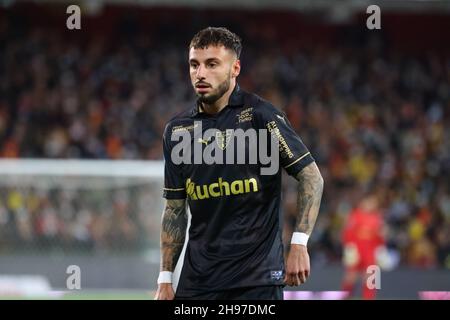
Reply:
x=174, y=183
x=294, y=155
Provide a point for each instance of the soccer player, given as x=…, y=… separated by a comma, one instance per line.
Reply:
x=362, y=240
x=234, y=248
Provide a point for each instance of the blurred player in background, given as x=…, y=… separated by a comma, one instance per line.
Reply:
x=363, y=243
x=235, y=248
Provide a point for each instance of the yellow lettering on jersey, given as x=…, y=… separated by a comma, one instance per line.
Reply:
x=220, y=188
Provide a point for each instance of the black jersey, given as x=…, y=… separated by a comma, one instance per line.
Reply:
x=235, y=233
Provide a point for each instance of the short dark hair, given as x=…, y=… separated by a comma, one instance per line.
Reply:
x=213, y=36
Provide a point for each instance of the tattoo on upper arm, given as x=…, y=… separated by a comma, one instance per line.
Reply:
x=310, y=188
x=173, y=232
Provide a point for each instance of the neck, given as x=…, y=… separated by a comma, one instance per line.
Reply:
x=220, y=103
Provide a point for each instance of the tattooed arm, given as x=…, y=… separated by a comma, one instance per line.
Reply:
x=174, y=222
x=173, y=232
x=310, y=188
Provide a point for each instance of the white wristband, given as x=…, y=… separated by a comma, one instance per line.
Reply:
x=299, y=238
x=165, y=277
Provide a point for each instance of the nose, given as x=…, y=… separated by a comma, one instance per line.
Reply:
x=200, y=74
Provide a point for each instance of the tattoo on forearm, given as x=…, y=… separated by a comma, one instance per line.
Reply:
x=310, y=188
x=173, y=232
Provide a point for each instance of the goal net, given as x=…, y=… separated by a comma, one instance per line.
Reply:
x=80, y=205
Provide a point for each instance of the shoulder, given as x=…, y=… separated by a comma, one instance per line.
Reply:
x=180, y=119
x=262, y=109
x=261, y=106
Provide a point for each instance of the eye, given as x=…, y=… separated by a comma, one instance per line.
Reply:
x=212, y=65
x=194, y=65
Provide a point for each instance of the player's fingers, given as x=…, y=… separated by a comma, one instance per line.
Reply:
x=302, y=276
x=165, y=297
x=297, y=280
x=287, y=280
x=290, y=280
x=307, y=273
x=294, y=280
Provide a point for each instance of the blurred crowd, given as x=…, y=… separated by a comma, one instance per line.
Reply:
x=374, y=119
x=83, y=220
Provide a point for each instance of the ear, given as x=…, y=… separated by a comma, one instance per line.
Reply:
x=236, y=69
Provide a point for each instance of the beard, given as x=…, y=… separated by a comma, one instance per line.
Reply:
x=210, y=98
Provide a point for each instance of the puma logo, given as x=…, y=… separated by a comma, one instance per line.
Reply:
x=200, y=140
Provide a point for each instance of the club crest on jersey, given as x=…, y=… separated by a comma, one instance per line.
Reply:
x=223, y=138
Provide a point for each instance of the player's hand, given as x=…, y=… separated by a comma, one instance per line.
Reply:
x=165, y=292
x=297, y=266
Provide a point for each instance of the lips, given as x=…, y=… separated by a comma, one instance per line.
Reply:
x=201, y=87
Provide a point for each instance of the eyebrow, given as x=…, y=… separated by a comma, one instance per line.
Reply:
x=207, y=60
